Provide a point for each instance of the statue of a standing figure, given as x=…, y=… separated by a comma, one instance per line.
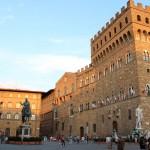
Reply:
x=26, y=111
x=139, y=117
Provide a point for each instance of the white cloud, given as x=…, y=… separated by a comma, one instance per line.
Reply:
x=67, y=40
x=53, y=63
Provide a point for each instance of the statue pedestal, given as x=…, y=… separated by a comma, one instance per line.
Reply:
x=25, y=131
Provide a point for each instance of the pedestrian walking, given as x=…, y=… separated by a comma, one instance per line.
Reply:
x=109, y=142
x=2, y=138
x=78, y=139
x=121, y=143
x=62, y=141
x=142, y=143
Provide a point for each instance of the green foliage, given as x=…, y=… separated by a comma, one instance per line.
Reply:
x=31, y=139
x=14, y=138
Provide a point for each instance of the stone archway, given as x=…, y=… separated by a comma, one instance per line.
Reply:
x=81, y=132
x=115, y=126
x=7, y=132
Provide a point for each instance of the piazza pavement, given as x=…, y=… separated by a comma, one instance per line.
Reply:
x=56, y=146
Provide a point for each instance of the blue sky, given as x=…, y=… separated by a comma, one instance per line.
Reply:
x=40, y=40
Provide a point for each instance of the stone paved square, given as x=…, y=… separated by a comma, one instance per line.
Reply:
x=56, y=146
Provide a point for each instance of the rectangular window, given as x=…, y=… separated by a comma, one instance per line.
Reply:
x=8, y=116
x=33, y=117
x=11, y=95
x=62, y=126
x=94, y=127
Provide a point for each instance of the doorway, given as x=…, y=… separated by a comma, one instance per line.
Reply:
x=81, y=132
x=115, y=126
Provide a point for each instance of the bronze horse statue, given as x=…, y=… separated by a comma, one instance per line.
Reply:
x=26, y=111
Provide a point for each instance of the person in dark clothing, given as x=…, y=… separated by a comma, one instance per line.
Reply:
x=62, y=141
x=120, y=143
x=142, y=143
x=2, y=138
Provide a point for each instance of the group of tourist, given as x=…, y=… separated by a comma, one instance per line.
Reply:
x=70, y=139
x=3, y=138
x=118, y=140
x=144, y=143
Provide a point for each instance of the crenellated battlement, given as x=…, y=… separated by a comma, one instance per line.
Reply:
x=84, y=69
x=130, y=4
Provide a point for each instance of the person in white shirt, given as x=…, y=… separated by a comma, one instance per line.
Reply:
x=109, y=141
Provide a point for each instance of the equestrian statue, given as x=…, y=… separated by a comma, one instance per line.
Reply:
x=26, y=111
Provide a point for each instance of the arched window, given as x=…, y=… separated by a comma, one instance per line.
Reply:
x=126, y=20
x=101, y=42
x=105, y=38
x=9, y=105
x=87, y=106
x=110, y=34
x=131, y=91
x=1, y=104
x=138, y=18
x=81, y=83
x=129, y=114
x=145, y=36
x=8, y=116
x=117, y=44
x=107, y=50
x=122, y=94
x=94, y=128
x=93, y=49
x=18, y=105
x=128, y=58
x=120, y=25
x=147, y=56
x=147, y=20
x=100, y=75
x=71, y=109
x=115, y=30
x=97, y=45
x=93, y=78
x=114, y=47
x=1, y=115
x=33, y=106
x=144, y=55
x=16, y=116
x=110, y=48
x=126, y=38
x=87, y=81
x=56, y=113
x=129, y=35
x=106, y=71
x=119, y=62
x=112, y=67
x=121, y=41
x=63, y=126
x=139, y=34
